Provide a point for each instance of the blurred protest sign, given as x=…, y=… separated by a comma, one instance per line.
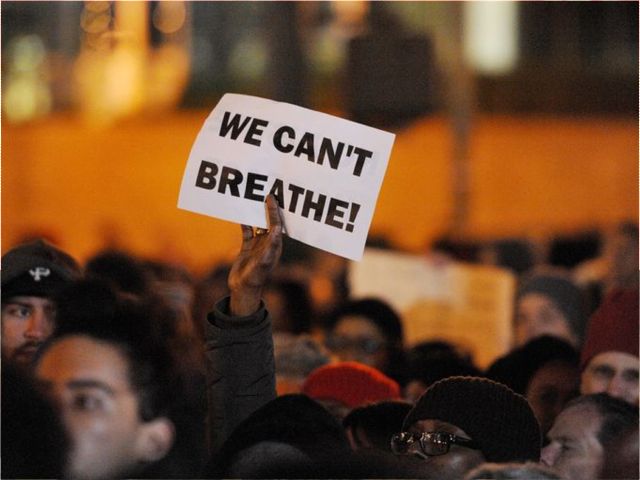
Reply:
x=471, y=305
x=325, y=171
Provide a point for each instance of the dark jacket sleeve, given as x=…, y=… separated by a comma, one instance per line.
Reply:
x=240, y=368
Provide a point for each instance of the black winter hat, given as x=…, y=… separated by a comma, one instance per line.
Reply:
x=36, y=268
x=497, y=418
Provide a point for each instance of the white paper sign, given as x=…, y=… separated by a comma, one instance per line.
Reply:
x=325, y=171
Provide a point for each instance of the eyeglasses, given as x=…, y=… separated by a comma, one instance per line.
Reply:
x=428, y=444
x=366, y=345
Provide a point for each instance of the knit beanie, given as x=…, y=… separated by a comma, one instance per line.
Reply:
x=36, y=269
x=498, y=419
x=350, y=383
x=613, y=327
x=293, y=420
x=564, y=294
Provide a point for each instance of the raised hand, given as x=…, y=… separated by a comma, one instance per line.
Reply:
x=258, y=257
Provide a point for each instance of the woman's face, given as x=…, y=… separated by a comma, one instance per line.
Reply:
x=537, y=315
x=356, y=338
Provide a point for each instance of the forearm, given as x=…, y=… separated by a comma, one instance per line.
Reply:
x=240, y=368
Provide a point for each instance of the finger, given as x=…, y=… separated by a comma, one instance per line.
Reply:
x=247, y=232
x=273, y=213
x=247, y=236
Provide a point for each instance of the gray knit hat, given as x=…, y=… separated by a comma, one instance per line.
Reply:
x=495, y=417
x=565, y=294
x=36, y=269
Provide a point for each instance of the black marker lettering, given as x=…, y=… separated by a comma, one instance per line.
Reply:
x=355, y=208
x=335, y=212
x=296, y=191
x=230, y=177
x=306, y=147
x=253, y=186
x=277, y=139
x=234, y=125
x=317, y=207
x=255, y=130
x=362, y=156
x=326, y=149
x=207, y=175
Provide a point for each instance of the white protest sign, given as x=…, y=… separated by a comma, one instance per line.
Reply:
x=325, y=171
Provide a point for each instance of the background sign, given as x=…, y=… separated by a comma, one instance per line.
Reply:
x=471, y=305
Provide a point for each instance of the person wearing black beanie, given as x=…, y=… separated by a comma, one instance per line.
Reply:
x=32, y=273
x=461, y=422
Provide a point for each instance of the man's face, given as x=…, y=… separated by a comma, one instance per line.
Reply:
x=574, y=449
x=453, y=464
x=614, y=373
x=89, y=380
x=537, y=315
x=26, y=323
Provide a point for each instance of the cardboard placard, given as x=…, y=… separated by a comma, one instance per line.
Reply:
x=471, y=305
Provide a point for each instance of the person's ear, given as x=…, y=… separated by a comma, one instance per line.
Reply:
x=155, y=440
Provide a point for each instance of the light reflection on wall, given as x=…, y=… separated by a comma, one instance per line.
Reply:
x=26, y=92
x=350, y=15
x=117, y=73
x=329, y=45
x=248, y=59
x=491, y=36
x=169, y=17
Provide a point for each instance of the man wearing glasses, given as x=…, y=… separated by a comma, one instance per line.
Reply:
x=461, y=422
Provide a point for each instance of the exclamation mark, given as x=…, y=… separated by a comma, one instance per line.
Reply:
x=355, y=208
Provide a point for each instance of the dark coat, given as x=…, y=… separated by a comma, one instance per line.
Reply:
x=240, y=368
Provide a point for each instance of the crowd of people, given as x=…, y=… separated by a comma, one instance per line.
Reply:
x=268, y=368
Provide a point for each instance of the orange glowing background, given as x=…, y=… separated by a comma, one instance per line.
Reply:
x=89, y=188
x=94, y=140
